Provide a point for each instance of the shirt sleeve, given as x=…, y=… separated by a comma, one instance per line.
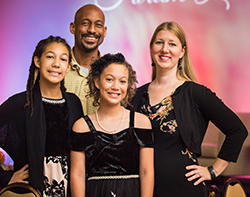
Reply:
x=226, y=121
x=81, y=141
x=144, y=137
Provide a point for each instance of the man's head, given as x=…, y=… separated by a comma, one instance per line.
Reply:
x=88, y=28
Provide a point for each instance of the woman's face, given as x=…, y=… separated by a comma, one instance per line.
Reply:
x=113, y=84
x=166, y=50
x=53, y=64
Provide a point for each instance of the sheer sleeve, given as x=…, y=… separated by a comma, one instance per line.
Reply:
x=144, y=137
x=81, y=141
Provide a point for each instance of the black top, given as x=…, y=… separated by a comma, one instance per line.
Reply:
x=56, y=116
x=23, y=136
x=112, y=154
x=194, y=106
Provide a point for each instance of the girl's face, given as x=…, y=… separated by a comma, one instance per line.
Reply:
x=113, y=83
x=53, y=64
x=166, y=50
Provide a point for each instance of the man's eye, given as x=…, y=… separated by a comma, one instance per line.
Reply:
x=85, y=23
x=99, y=25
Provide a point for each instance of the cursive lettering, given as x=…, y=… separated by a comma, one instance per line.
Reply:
x=136, y=2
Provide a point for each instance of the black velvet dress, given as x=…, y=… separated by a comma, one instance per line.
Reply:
x=112, y=160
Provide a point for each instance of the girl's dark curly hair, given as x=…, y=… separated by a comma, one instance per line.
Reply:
x=34, y=71
x=96, y=70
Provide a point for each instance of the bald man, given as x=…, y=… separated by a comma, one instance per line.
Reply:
x=89, y=31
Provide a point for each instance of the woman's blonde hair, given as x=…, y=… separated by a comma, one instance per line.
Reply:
x=185, y=70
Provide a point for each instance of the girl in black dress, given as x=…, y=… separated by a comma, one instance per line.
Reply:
x=35, y=124
x=112, y=152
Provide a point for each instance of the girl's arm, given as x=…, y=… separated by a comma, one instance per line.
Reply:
x=147, y=171
x=77, y=173
x=20, y=175
x=146, y=159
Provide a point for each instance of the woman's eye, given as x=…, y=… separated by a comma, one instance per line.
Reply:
x=172, y=44
x=49, y=56
x=65, y=60
x=109, y=79
x=158, y=42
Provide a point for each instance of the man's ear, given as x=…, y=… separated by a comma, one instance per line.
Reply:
x=72, y=28
x=97, y=82
x=37, y=61
x=105, y=31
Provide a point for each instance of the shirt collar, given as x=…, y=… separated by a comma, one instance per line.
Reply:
x=74, y=64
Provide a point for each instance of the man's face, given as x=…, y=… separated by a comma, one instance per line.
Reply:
x=89, y=29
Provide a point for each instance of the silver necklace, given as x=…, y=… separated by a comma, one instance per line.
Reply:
x=112, y=129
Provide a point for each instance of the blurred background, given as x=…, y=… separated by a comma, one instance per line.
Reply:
x=217, y=32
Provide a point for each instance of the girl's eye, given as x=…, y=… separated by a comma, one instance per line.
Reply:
x=172, y=44
x=65, y=60
x=123, y=81
x=49, y=56
x=109, y=79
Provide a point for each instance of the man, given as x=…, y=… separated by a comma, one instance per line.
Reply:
x=89, y=31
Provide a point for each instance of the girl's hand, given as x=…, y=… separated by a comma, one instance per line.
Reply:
x=199, y=173
x=20, y=175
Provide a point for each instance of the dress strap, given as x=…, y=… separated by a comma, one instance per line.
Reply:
x=89, y=122
x=132, y=117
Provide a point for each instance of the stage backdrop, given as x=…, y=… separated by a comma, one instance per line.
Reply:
x=217, y=31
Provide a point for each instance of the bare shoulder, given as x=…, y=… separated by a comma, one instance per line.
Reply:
x=142, y=121
x=80, y=126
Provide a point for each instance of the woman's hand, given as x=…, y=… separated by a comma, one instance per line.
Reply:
x=201, y=173
x=20, y=175
x=198, y=173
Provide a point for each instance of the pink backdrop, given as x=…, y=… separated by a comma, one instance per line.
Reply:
x=218, y=36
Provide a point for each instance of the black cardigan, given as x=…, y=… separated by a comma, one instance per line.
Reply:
x=23, y=137
x=194, y=106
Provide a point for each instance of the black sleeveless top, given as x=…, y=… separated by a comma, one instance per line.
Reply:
x=112, y=154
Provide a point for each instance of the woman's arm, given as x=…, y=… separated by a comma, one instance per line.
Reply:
x=77, y=173
x=147, y=171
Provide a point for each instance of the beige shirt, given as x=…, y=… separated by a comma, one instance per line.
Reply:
x=75, y=82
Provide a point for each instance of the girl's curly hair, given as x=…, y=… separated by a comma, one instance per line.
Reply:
x=96, y=70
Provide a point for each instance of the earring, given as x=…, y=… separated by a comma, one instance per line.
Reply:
x=153, y=64
x=179, y=64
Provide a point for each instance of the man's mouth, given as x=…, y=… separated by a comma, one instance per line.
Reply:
x=91, y=37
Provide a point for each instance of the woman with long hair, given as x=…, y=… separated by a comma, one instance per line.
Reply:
x=180, y=109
